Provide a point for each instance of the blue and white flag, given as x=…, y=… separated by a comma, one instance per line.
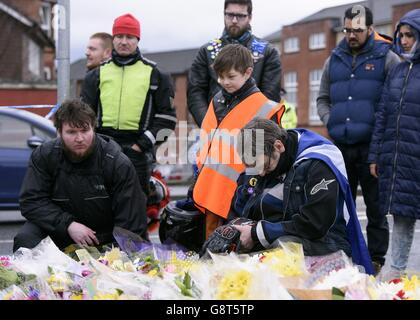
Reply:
x=314, y=146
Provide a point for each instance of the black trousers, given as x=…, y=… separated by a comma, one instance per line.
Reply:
x=30, y=235
x=377, y=230
x=142, y=162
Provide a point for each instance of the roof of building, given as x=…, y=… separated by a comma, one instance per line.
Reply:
x=274, y=37
x=172, y=62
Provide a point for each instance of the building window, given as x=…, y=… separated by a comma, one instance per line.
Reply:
x=46, y=17
x=314, y=84
x=291, y=45
x=47, y=73
x=317, y=41
x=34, y=57
x=291, y=87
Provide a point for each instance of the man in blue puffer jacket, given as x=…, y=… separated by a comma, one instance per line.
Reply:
x=395, y=150
x=351, y=87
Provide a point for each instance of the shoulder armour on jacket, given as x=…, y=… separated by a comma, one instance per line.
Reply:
x=148, y=61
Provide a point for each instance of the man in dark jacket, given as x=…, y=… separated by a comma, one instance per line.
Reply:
x=298, y=193
x=351, y=86
x=79, y=186
x=132, y=98
x=202, y=80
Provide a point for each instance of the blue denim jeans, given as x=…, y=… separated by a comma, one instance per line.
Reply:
x=402, y=239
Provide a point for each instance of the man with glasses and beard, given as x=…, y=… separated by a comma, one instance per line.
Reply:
x=79, y=186
x=351, y=87
x=202, y=80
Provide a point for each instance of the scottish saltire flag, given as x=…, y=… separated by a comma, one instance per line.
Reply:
x=314, y=146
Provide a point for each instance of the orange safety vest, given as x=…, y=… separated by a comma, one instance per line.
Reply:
x=218, y=163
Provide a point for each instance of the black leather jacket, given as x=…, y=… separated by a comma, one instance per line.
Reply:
x=202, y=80
x=100, y=192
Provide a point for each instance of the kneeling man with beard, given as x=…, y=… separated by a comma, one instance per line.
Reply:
x=79, y=186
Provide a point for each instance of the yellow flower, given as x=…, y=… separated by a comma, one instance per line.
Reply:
x=76, y=297
x=234, y=286
x=107, y=296
x=153, y=273
x=117, y=265
x=411, y=285
x=111, y=256
x=287, y=264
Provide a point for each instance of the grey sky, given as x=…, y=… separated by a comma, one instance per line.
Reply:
x=180, y=24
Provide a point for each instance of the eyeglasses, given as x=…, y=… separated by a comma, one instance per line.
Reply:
x=354, y=31
x=238, y=16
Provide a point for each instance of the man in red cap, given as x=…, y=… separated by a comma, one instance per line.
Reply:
x=131, y=97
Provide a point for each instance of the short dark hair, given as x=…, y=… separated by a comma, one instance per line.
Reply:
x=272, y=132
x=233, y=56
x=105, y=37
x=353, y=12
x=76, y=113
x=247, y=3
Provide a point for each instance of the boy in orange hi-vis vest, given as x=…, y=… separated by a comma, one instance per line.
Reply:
x=219, y=166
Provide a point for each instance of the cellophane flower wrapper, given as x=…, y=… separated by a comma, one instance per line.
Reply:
x=384, y=290
x=13, y=293
x=286, y=261
x=233, y=277
x=66, y=285
x=325, y=271
x=117, y=260
x=37, y=289
x=404, y=288
x=37, y=260
x=106, y=283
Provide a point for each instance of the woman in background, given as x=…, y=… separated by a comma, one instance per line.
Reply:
x=395, y=147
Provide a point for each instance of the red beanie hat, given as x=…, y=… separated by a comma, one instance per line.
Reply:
x=126, y=24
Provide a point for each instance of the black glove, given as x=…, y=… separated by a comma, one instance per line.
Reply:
x=225, y=238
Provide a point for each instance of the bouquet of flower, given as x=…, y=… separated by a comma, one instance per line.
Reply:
x=236, y=277
x=287, y=261
x=397, y=289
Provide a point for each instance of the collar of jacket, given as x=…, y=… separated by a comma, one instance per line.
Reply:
x=126, y=60
x=240, y=94
x=288, y=157
x=243, y=39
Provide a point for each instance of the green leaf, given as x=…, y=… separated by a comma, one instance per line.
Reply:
x=50, y=270
x=337, y=294
x=180, y=284
x=187, y=281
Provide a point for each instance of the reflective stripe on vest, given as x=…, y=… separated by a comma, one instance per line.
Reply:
x=216, y=182
x=123, y=93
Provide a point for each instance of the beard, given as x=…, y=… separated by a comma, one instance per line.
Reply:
x=77, y=156
x=236, y=32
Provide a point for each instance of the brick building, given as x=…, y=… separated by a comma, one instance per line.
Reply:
x=27, y=70
x=306, y=44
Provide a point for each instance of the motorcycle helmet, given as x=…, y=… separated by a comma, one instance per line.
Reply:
x=158, y=198
x=182, y=226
